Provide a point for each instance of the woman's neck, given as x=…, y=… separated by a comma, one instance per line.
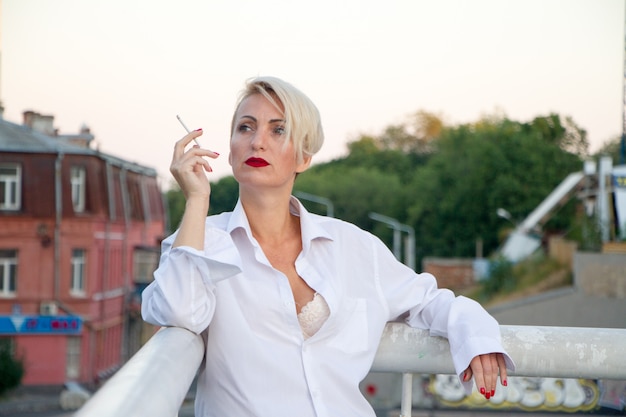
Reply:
x=269, y=217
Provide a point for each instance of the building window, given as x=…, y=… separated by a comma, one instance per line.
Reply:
x=77, y=179
x=10, y=186
x=8, y=273
x=77, y=282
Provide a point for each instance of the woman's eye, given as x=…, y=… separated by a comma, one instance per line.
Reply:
x=244, y=128
x=280, y=130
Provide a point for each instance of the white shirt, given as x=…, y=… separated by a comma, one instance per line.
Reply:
x=258, y=362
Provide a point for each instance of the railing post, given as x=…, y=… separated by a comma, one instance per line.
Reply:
x=407, y=395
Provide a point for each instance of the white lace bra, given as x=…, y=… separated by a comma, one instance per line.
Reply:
x=313, y=315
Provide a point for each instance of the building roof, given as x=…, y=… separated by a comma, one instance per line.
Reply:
x=23, y=139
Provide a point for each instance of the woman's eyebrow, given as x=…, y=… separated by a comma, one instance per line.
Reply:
x=254, y=119
x=245, y=116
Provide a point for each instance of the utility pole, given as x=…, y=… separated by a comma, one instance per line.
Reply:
x=622, y=160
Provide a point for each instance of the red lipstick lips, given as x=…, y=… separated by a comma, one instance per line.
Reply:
x=257, y=162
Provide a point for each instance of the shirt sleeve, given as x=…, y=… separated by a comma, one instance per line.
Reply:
x=183, y=291
x=469, y=328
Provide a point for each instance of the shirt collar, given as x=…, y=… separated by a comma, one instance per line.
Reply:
x=311, y=225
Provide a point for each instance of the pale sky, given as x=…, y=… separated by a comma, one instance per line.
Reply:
x=126, y=68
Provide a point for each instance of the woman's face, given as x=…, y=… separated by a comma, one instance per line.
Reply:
x=258, y=153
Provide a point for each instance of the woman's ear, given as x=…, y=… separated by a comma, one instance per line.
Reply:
x=304, y=165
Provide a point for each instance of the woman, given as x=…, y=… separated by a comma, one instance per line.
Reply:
x=292, y=305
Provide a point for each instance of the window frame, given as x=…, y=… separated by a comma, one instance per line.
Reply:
x=78, y=187
x=8, y=273
x=78, y=263
x=11, y=187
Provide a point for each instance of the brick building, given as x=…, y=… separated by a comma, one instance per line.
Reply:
x=79, y=235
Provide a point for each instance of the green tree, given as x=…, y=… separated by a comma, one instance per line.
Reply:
x=175, y=204
x=478, y=168
x=612, y=148
x=11, y=368
x=224, y=194
x=354, y=191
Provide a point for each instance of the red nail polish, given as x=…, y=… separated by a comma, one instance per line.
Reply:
x=487, y=396
x=505, y=383
x=464, y=376
x=216, y=153
x=197, y=130
x=482, y=391
x=493, y=392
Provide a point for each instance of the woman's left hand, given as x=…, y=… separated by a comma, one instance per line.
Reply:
x=485, y=369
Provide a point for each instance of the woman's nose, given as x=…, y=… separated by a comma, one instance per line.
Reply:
x=258, y=140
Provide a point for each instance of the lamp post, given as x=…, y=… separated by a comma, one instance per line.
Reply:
x=398, y=228
x=330, y=208
x=409, y=260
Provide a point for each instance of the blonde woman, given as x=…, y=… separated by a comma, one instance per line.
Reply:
x=291, y=304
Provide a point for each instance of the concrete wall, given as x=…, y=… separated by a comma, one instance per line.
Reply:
x=601, y=274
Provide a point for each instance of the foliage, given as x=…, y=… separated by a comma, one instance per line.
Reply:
x=355, y=192
x=11, y=369
x=224, y=194
x=477, y=169
x=501, y=278
x=415, y=136
x=530, y=276
x=612, y=148
x=586, y=232
x=175, y=204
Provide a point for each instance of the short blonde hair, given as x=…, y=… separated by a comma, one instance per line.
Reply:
x=303, y=125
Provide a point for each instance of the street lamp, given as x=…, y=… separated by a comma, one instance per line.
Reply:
x=409, y=260
x=398, y=228
x=504, y=214
x=330, y=208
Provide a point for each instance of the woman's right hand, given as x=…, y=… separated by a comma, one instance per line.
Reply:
x=189, y=167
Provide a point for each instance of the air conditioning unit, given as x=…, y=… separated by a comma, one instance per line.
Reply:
x=48, y=308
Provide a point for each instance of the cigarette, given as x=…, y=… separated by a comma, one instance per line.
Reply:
x=186, y=128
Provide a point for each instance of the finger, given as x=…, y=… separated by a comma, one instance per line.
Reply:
x=179, y=147
x=190, y=158
x=186, y=169
x=502, y=367
x=202, y=164
x=467, y=374
x=488, y=370
x=477, y=370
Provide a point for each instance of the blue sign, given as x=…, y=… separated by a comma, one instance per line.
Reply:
x=18, y=324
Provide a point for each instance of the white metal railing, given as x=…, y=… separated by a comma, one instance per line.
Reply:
x=156, y=379
x=154, y=382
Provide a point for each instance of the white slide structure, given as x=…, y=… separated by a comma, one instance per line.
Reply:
x=522, y=242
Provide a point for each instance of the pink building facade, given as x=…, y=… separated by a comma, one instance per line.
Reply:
x=79, y=238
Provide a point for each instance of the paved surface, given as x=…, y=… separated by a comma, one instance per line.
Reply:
x=27, y=403
x=565, y=307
